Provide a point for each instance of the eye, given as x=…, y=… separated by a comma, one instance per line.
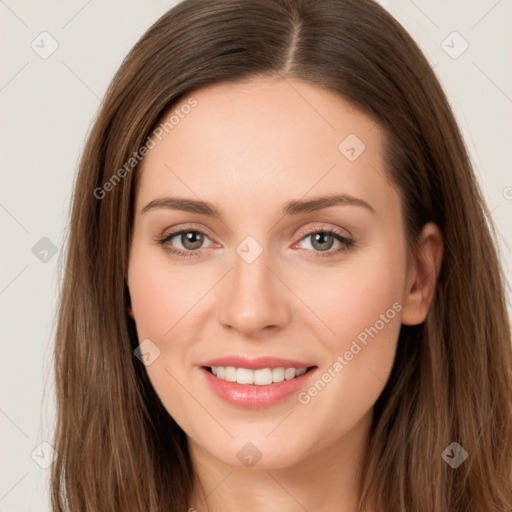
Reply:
x=191, y=241
x=322, y=240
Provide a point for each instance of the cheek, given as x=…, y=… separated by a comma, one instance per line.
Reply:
x=363, y=311
x=161, y=296
x=352, y=298
x=160, y=293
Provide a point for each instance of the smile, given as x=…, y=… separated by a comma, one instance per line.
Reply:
x=257, y=389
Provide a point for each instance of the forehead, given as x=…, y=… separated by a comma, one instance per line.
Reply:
x=257, y=140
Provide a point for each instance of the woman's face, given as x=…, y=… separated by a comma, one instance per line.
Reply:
x=263, y=279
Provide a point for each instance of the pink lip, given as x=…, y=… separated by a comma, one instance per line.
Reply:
x=252, y=396
x=256, y=363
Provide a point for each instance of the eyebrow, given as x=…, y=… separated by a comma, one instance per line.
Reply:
x=294, y=207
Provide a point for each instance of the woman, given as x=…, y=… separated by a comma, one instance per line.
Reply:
x=335, y=336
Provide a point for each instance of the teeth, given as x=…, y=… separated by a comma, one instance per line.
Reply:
x=262, y=377
x=278, y=374
x=289, y=373
x=230, y=374
x=244, y=376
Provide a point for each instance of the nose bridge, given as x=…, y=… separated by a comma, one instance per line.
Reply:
x=254, y=298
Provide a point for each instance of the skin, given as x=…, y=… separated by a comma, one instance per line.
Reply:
x=249, y=148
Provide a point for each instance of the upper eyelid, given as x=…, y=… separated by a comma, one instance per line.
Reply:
x=303, y=232
x=173, y=233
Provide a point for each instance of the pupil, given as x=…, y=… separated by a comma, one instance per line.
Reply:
x=321, y=237
x=188, y=238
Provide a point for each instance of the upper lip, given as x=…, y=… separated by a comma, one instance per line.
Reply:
x=256, y=363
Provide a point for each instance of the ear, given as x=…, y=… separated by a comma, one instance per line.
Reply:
x=130, y=311
x=422, y=275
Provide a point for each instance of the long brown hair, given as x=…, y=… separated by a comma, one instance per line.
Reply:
x=118, y=448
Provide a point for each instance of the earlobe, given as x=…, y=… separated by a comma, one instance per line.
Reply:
x=130, y=312
x=422, y=275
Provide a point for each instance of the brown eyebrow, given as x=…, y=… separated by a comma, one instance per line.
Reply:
x=294, y=207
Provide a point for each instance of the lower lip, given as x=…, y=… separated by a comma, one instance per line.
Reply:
x=252, y=396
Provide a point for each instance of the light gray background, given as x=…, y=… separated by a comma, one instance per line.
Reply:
x=47, y=106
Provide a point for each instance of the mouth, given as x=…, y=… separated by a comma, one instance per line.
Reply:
x=256, y=382
x=257, y=377
x=257, y=388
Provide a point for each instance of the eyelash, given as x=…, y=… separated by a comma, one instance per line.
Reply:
x=347, y=243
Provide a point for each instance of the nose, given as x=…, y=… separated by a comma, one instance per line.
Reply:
x=254, y=297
